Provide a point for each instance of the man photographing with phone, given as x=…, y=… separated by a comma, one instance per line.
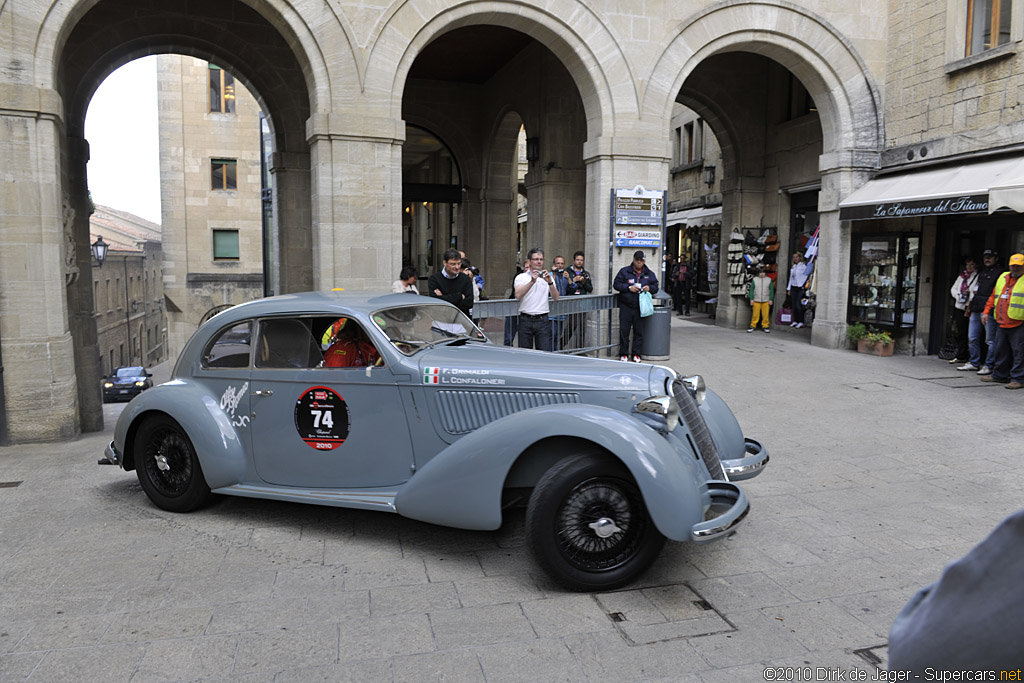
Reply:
x=532, y=287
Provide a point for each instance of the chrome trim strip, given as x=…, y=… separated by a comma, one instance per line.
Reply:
x=366, y=500
x=713, y=529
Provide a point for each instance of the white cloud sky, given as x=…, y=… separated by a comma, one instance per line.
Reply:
x=121, y=127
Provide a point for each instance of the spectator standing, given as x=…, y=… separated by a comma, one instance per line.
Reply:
x=798, y=274
x=451, y=284
x=406, y=281
x=629, y=282
x=761, y=293
x=532, y=287
x=1007, y=303
x=579, y=283
x=512, y=321
x=981, y=336
x=961, y=293
x=561, y=284
x=682, y=279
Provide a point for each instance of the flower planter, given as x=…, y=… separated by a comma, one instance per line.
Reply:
x=864, y=346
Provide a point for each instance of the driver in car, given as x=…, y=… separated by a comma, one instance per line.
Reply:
x=348, y=346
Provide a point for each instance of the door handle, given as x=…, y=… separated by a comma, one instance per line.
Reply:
x=263, y=392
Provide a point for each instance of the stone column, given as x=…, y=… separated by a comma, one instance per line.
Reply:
x=81, y=307
x=499, y=240
x=292, y=234
x=841, y=173
x=742, y=206
x=40, y=386
x=356, y=201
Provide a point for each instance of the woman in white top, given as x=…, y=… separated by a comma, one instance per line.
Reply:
x=406, y=281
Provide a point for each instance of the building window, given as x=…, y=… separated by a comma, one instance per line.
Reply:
x=688, y=135
x=222, y=91
x=223, y=174
x=225, y=245
x=800, y=102
x=988, y=24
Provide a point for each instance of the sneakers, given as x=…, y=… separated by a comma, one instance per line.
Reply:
x=990, y=378
x=636, y=359
x=967, y=366
x=985, y=370
x=750, y=329
x=793, y=324
x=954, y=360
x=798, y=325
x=1014, y=385
x=624, y=359
x=767, y=331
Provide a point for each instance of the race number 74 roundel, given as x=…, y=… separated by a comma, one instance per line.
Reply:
x=321, y=418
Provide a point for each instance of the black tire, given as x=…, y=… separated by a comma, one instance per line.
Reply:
x=168, y=468
x=579, y=491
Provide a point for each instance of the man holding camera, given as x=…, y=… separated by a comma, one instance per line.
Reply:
x=532, y=287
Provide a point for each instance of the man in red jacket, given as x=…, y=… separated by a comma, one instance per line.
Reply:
x=1007, y=301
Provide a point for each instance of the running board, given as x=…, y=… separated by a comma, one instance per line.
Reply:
x=362, y=499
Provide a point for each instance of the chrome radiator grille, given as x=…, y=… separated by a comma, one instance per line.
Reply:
x=463, y=411
x=699, y=429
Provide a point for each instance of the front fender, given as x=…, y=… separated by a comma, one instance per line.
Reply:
x=218, y=445
x=461, y=486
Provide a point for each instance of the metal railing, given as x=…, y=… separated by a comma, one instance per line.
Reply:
x=580, y=324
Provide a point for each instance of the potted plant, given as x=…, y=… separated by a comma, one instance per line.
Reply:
x=856, y=332
x=877, y=343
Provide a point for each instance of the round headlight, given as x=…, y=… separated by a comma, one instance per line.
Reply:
x=107, y=385
x=696, y=384
x=665, y=406
x=140, y=384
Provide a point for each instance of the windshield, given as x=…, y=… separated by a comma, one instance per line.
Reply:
x=411, y=328
x=130, y=372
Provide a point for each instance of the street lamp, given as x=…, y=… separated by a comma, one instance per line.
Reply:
x=99, y=250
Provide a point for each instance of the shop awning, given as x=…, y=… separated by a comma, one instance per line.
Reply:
x=979, y=187
x=697, y=218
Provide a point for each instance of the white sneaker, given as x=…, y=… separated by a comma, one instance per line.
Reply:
x=799, y=325
x=750, y=329
x=985, y=370
x=967, y=366
x=624, y=359
x=792, y=324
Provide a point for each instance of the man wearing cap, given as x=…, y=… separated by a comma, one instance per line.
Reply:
x=629, y=282
x=980, y=336
x=1007, y=302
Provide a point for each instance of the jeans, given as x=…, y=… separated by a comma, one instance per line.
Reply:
x=991, y=327
x=796, y=295
x=629, y=318
x=556, y=332
x=534, y=332
x=960, y=324
x=976, y=340
x=1009, y=354
x=511, y=328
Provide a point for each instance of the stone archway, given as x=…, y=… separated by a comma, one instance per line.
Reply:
x=847, y=102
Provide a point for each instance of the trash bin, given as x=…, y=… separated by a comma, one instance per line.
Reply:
x=657, y=327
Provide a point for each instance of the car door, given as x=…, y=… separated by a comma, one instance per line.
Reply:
x=323, y=427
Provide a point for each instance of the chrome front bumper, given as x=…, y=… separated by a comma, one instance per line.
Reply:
x=732, y=505
x=748, y=466
x=111, y=454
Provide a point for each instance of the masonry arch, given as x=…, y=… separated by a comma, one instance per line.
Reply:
x=274, y=57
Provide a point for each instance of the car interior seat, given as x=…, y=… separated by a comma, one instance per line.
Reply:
x=288, y=343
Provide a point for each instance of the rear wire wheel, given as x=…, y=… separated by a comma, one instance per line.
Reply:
x=587, y=524
x=168, y=468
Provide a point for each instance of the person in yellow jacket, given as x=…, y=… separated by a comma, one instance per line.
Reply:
x=1007, y=302
x=761, y=293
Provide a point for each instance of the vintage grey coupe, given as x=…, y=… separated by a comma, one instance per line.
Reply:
x=399, y=403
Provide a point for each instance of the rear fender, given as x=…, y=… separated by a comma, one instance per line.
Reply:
x=219, y=446
x=461, y=486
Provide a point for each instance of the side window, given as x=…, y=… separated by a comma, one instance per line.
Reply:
x=230, y=348
x=346, y=345
x=287, y=343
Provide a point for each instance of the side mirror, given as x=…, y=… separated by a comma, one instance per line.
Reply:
x=149, y=374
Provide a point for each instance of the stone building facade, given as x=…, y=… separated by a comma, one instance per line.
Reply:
x=210, y=189
x=594, y=83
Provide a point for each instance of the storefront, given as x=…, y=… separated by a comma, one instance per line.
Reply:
x=696, y=233
x=910, y=237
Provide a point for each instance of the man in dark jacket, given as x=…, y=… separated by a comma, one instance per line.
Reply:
x=629, y=282
x=451, y=284
x=979, y=337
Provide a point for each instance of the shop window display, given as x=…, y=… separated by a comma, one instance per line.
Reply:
x=884, y=279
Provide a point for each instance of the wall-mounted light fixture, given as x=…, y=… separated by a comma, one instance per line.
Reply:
x=99, y=250
x=533, y=150
x=709, y=175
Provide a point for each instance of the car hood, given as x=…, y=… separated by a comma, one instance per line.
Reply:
x=476, y=365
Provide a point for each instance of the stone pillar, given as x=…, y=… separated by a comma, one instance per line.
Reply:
x=499, y=240
x=356, y=201
x=81, y=307
x=841, y=173
x=292, y=238
x=557, y=209
x=40, y=386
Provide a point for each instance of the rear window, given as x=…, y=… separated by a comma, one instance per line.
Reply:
x=230, y=348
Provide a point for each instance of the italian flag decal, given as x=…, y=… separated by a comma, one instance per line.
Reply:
x=431, y=375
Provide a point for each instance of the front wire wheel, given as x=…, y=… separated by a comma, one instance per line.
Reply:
x=587, y=524
x=168, y=468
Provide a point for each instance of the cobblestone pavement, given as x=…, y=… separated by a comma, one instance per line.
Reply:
x=882, y=471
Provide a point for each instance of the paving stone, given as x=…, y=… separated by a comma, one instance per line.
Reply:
x=564, y=615
x=758, y=638
x=366, y=671
x=53, y=634
x=822, y=625
x=496, y=590
x=309, y=580
x=451, y=666
x=17, y=667
x=109, y=663
x=335, y=607
x=259, y=615
x=339, y=551
x=413, y=599
x=606, y=658
x=401, y=572
x=472, y=626
x=530, y=661
x=743, y=592
x=401, y=634
x=286, y=649
x=453, y=567
x=179, y=622
x=187, y=659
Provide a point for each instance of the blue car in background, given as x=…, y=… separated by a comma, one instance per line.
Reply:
x=126, y=383
x=399, y=403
